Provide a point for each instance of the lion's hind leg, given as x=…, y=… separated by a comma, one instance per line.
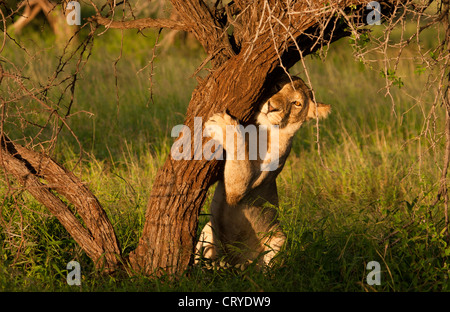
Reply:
x=206, y=248
x=273, y=245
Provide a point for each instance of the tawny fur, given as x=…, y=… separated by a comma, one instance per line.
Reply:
x=243, y=222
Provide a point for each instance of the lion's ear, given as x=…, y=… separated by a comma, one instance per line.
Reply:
x=322, y=110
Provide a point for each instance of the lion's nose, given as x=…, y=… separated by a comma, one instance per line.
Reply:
x=270, y=108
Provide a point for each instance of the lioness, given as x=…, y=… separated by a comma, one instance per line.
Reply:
x=243, y=223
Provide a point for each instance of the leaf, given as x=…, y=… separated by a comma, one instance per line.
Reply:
x=447, y=252
x=420, y=69
x=390, y=75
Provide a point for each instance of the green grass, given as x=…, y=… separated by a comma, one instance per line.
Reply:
x=366, y=197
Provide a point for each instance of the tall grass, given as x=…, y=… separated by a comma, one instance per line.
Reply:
x=365, y=197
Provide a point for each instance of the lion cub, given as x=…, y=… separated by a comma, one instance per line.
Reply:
x=243, y=224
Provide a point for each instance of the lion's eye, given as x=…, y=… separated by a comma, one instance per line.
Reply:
x=297, y=103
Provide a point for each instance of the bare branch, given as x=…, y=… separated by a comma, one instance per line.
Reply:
x=141, y=23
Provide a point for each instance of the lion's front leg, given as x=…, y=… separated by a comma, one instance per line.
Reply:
x=238, y=174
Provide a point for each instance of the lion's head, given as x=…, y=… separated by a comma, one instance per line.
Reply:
x=291, y=104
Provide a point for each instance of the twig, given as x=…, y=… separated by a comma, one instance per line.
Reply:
x=140, y=23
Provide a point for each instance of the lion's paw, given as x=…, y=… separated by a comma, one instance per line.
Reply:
x=216, y=126
x=222, y=120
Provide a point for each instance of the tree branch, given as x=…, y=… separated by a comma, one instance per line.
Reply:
x=141, y=23
x=206, y=28
x=98, y=239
